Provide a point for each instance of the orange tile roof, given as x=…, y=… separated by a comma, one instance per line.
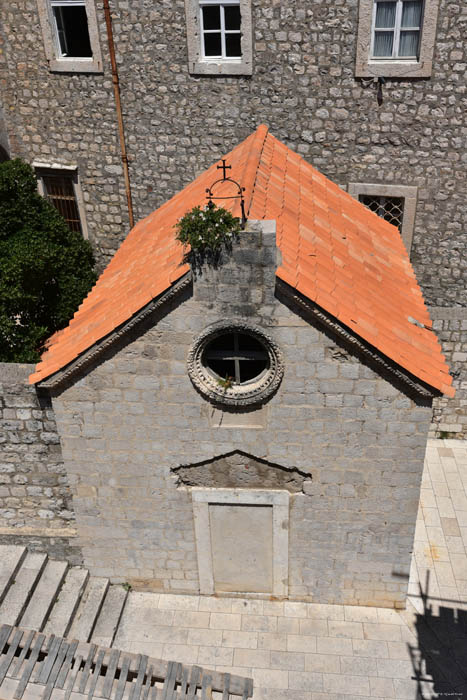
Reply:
x=335, y=251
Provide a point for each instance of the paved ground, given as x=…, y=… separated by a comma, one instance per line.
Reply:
x=302, y=651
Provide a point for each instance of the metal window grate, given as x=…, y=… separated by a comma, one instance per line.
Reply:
x=60, y=192
x=389, y=208
x=236, y=356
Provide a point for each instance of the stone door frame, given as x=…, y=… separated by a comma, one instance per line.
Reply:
x=278, y=499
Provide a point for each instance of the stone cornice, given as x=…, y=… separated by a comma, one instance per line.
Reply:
x=93, y=353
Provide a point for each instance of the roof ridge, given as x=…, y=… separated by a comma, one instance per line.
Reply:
x=250, y=172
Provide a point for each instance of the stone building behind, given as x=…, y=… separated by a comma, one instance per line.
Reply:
x=304, y=71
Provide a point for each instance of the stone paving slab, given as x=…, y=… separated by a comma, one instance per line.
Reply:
x=306, y=651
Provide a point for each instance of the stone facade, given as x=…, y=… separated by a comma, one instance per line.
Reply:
x=133, y=423
x=35, y=497
x=303, y=86
x=450, y=415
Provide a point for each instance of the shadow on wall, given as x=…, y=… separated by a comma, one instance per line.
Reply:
x=440, y=658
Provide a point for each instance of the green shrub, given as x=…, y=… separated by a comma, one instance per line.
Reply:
x=208, y=232
x=45, y=269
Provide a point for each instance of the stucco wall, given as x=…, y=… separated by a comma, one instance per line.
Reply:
x=136, y=416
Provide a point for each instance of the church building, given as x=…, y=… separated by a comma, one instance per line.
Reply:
x=256, y=425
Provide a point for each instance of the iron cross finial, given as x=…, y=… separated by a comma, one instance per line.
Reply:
x=224, y=168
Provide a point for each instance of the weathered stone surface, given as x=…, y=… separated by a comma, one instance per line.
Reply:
x=349, y=533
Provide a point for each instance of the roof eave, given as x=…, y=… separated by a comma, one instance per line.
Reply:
x=351, y=339
x=89, y=356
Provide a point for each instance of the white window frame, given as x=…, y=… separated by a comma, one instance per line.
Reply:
x=222, y=30
x=71, y=171
x=198, y=63
x=279, y=500
x=407, y=192
x=369, y=66
x=57, y=61
x=396, y=30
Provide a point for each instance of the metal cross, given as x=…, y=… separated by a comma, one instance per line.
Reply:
x=224, y=167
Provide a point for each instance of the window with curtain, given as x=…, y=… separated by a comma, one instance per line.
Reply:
x=396, y=29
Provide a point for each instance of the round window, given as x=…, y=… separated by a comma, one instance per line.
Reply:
x=235, y=364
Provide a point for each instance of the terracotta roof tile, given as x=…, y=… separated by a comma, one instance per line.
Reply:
x=334, y=250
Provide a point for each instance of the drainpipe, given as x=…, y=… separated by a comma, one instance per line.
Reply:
x=118, y=105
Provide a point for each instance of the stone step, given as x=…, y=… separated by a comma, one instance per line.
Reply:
x=89, y=609
x=43, y=598
x=109, y=616
x=67, y=602
x=11, y=558
x=22, y=588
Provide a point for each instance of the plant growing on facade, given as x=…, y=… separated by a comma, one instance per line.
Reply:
x=45, y=269
x=207, y=231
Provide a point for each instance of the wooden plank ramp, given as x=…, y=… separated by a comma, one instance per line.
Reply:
x=34, y=666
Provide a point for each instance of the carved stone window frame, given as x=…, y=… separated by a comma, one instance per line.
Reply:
x=279, y=500
x=197, y=65
x=368, y=67
x=409, y=194
x=58, y=64
x=253, y=392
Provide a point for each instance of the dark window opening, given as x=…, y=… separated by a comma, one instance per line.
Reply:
x=232, y=17
x=212, y=17
x=238, y=357
x=72, y=30
x=389, y=208
x=212, y=44
x=60, y=192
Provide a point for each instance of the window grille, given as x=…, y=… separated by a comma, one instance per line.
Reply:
x=220, y=30
x=237, y=357
x=389, y=208
x=396, y=28
x=60, y=192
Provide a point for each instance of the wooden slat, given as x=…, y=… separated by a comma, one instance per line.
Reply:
x=248, y=689
x=169, y=682
x=206, y=687
x=72, y=678
x=4, y=666
x=147, y=685
x=54, y=671
x=123, y=678
x=194, y=681
x=97, y=673
x=60, y=682
x=142, y=665
x=29, y=666
x=110, y=675
x=225, y=692
x=184, y=684
x=17, y=668
x=87, y=668
x=46, y=666
x=4, y=634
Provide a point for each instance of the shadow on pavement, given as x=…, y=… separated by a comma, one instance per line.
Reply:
x=440, y=658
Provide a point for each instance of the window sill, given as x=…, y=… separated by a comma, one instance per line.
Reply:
x=218, y=67
x=388, y=68
x=75, y=66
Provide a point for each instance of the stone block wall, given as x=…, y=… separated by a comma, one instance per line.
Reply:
x=450, y=415
x=35, y=498
x=128, y=424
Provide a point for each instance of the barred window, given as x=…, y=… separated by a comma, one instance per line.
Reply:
x=61, y=187
x=389, y=208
